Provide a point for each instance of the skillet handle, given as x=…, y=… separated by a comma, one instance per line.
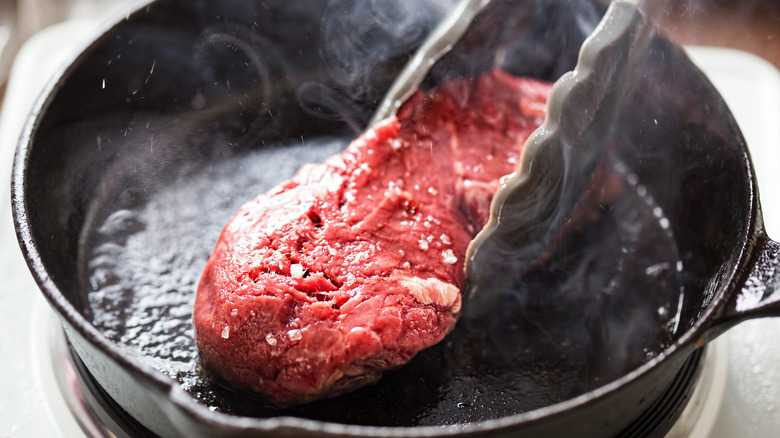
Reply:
x=760, y=294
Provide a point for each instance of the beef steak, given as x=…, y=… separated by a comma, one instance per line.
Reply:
x=356, y=264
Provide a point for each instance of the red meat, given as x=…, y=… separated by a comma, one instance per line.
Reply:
x=356, y=264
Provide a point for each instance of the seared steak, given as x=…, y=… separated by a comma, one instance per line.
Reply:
x=356, y=264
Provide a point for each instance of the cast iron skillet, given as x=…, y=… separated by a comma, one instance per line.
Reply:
x=179, y=88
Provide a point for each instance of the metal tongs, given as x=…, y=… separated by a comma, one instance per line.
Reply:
x=560, y=161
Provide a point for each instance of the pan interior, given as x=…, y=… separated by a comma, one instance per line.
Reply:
x=144, y=263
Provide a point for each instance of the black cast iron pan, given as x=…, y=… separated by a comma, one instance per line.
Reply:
x=147, y=142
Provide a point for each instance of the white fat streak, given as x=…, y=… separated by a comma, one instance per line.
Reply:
x=432, y=291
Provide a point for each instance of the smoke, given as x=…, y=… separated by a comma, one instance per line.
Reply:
x=362, y=46
x=366, y=43
x=362, y=37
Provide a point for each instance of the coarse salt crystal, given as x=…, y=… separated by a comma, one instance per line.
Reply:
x=423, y=244
x=295, y=335
x=226, y=332
x=296, y=271
x=271, y=339
x=449, y=257
x=445, y=239
x=234, y=312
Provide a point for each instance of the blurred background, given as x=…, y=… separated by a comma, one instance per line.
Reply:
x=749, y=25
x=20, y=19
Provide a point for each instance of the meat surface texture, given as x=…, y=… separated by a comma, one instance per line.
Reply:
x=356, y=264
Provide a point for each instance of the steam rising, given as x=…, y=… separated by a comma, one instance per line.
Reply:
x=362, y=35
x=323, y=102
x=256, y=88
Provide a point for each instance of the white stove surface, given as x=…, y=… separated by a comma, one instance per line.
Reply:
x=743, y=401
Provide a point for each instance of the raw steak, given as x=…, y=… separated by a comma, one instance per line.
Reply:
x=356, y=264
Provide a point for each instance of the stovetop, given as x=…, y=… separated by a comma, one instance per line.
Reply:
x=742, y=398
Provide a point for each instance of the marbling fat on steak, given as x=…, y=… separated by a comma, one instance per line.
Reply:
x=356, y=264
